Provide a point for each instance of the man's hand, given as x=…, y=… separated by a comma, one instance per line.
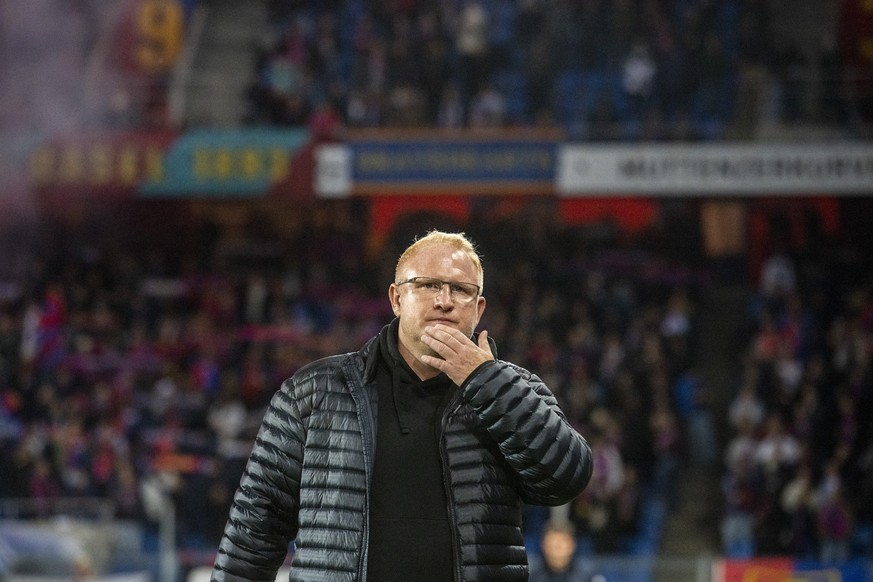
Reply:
x=459, y=356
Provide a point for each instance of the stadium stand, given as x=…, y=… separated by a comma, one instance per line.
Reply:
x=134, y=372
x=118, y=367
x=697, y=68
x=797, y=478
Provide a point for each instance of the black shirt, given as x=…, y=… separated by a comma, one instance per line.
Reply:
x=410, y=531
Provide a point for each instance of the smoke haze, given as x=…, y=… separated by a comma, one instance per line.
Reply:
x=45, y=48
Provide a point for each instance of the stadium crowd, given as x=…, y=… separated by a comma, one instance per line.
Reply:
x=605, y=70
x=798, y=465
x=119, y=368
x=601, y=70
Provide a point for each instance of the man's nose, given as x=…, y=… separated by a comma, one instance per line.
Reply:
x=444, y=295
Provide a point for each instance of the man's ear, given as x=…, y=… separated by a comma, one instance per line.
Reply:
x=394, y=298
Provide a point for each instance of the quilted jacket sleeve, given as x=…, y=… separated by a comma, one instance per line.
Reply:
x=552, y=460
x=263, y=515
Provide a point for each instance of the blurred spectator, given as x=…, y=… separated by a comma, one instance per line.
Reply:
x=638, y=74
x=43, y=486
x=790, y=68
x=603, y=120
x=406, y=107
x=539, y=69
x=665, y=430
x=778, y=451
x=778, y=278
x=363, y=109
x=713, y=102
x=740, y=450
x=798, y=502
x=595, y=510
x=742, y=494
x=746, y=409
x=767, y=341
x=124, y=491
x=835, y=521
x=451, y=112
x=559, y=561
x=487, y=107
x=473, y=48
x=693, y=406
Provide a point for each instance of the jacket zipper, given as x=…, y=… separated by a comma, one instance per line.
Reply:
x=453, y=406
x=365, y=418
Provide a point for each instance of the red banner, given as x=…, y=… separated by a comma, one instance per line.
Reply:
x=786, y=569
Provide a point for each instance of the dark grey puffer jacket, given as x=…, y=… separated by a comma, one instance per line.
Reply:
x=307, y=479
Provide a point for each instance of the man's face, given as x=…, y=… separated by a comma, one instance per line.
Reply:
x=558, y=548
x=417, y=309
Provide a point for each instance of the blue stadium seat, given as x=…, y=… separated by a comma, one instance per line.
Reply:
x=513, y=85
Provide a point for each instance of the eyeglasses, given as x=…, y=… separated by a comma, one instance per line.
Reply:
x=430, y=287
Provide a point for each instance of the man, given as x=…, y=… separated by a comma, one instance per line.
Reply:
x=559, y=562
x=410, y=459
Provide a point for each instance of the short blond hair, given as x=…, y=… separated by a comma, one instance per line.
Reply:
x=457, y=240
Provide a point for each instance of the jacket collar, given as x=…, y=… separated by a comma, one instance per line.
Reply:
x=370, y=355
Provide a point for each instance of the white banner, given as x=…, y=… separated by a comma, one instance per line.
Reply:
x=698, y=169
x=333, y=171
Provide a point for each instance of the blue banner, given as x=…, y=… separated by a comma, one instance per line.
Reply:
x=477, y=166
x=226, y=162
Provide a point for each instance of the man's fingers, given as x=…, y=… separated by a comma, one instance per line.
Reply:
x=436, y=344
x=454, y=353
x=445, y=334
x=483, y=341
